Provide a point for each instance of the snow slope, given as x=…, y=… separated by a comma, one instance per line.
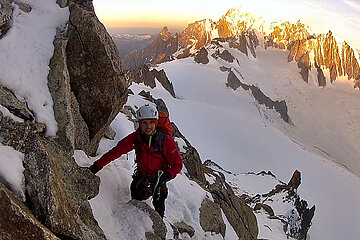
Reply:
x=232, y=129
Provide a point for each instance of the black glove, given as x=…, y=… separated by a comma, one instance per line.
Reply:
x=165, y=177
x=94, y=168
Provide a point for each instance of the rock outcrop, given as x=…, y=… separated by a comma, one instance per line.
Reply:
x=296, y=222
x=280, y=106
x=147, y=76
x=159, y=227
x=73, y=132
x=16, y=220
x=94, y=67
x=202, y=56
x=210, y=217
x=56, y=189
x=159, y=51
x=240, y=215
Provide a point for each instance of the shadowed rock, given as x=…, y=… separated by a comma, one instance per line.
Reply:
x=19, y=109
x=95, y=71
x=280, y=106
x=202, y=56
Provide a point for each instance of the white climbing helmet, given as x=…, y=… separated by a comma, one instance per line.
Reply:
x=147, y=112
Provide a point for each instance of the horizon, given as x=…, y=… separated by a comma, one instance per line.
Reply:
x=339, y=16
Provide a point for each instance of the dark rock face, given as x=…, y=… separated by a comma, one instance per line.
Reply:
x=245, y=41
x=202, y=56
x=95, y=71
x=16, y=220
x=280, y=106
x=225, y=55
x=158, y=51
x=144, y=75
x=233, y=82
x=163, y=79
x=58, y=191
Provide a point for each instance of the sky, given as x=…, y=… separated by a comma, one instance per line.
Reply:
x=340, y=16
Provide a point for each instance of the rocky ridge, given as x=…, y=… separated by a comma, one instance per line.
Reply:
x=320, y=53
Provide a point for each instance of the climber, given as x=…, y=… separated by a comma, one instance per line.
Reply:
x=157, y=158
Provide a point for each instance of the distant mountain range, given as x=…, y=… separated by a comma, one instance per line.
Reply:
x=128, y=42
x=325, y=54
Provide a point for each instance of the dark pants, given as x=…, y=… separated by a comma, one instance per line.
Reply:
x=142, y=187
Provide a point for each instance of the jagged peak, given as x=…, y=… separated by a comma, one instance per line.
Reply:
x=164, y=34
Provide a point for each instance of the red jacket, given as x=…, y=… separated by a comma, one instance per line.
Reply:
x=147, y=159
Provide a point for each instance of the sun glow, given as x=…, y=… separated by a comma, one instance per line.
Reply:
x=339, y=16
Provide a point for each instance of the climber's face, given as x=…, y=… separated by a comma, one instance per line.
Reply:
x=147, y=126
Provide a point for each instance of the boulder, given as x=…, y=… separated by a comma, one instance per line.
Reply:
x=17, y=221
x=211, y=218
x=182, y=227
x=96, y=77
x=58, y=190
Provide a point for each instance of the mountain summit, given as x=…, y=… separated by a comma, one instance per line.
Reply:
x=326, y=55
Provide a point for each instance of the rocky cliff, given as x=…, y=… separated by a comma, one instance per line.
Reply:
x=88, y=89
